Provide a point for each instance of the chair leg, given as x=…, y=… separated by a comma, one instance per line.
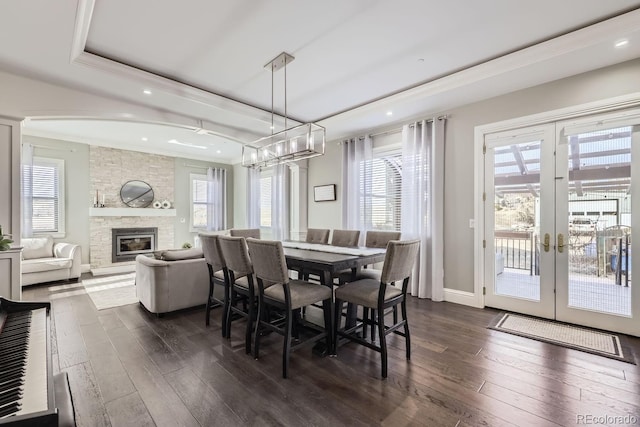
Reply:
x=383, y=341
x=256, y=332
x=227, y=325
x=225, y=311
x=208, y=313
x=337, y=319
x=286, y=349
x=249, y=327
x=365, y=322
x=328, y=324
x=407, y=336
x=373, y=325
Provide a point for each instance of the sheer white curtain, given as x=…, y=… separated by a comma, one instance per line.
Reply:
x=356, y=183
x=280, y=203
x=216, y=199
x=27, y=190
x=422, y=203
x=253, y=198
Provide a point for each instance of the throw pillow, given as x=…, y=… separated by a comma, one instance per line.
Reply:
x=37, y=247
x=180, y=254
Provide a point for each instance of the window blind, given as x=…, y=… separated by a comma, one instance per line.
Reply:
x=380, y=191
x=45, y=197
x=199, y=200
x=265, y=201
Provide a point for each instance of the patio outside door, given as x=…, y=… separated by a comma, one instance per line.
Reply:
x=559, y=223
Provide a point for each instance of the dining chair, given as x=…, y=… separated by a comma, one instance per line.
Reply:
x=287, y=295
x=345, y=237
x=245, y=232
x=380, y=296
x=373, y=239
x=217, y=277
x=317, y=235
x=241, y=286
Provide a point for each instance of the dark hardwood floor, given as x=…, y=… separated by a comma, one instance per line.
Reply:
x=127, y=367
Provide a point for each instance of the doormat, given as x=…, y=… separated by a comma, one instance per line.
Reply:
x=111, y=291
x=588, y=340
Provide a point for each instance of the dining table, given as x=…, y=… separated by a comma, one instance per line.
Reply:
x=326, y=261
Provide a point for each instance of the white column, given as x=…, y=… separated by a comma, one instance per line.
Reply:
x=10, y=187
x=298, y=213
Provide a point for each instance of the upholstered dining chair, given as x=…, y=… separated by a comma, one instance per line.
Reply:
x=287, y=295
x=241, y=286
x=245, y=232
x=317, y=235
x=373, y=239
x=379, y=296
x=345, y=237
x=217, y=277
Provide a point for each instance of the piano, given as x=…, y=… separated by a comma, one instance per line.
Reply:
x=30, y=395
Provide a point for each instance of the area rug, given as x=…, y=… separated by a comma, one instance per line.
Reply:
x=593, y=341
x=112, y=291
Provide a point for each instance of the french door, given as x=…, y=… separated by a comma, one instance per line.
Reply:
x=558, y=231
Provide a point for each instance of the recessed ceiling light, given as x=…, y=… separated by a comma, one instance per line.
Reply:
x=147, y=92
x=389, y=113
x=185, y=144
x=144, y=138
x=621, y=43
x=218, y=151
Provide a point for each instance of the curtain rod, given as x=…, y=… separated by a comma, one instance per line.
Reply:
x=394, y=130
x=194, y=166
x=46, y=147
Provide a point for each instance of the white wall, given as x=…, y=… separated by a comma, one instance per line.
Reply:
x=325, y=170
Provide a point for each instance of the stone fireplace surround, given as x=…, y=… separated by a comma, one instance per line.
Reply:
x=109, y=169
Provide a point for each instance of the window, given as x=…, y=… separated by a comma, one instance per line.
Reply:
x=198, y=201
x=380, y=191
x=265, y=200
x=45, y=186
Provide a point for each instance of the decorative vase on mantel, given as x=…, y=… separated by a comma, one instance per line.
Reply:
x=5, y=241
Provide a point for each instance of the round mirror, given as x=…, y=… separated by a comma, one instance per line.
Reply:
x=136, y=194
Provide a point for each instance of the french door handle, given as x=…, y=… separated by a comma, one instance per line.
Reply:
x=560, y=243
x=546, y=243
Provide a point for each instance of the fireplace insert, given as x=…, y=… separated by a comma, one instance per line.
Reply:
x=127, y=243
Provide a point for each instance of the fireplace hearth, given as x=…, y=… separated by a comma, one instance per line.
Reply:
x=128, y=243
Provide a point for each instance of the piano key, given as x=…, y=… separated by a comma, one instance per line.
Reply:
x=35, y=380
x=9, y=409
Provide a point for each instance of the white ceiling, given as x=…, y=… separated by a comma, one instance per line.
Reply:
x=354, y=60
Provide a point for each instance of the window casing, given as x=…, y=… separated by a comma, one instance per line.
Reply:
x=47, y=196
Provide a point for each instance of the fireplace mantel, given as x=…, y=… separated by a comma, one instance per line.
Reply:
x=131, y=212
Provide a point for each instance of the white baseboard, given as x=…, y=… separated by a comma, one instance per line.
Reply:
x=462, y=297
x=101, y=271
x=85, y=268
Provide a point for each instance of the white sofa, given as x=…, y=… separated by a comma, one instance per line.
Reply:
x=180, y=279
x=46, y=261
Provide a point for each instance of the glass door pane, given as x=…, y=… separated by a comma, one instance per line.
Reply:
x=599, y=221
x=516, y=220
